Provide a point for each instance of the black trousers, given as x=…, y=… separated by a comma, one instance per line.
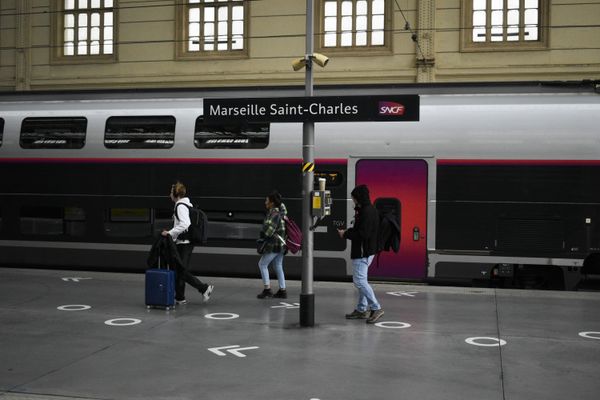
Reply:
x=183, y=275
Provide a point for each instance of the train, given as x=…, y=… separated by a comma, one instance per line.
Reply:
x=495, y=184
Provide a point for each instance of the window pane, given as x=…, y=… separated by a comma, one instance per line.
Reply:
x=237, y=42
x=53, y=133
x=234, y=136
x=346, y=8
x=346, y=39
x=237, y=28
x=108, y=3
x=223, y=12
x=194, y=15
x=82, y=20
x=497, y=17
x=69, y=4
x=140, y=132
x=194, y=43
x=69, y=49
x=512, y=17
x=531, y=4
x=95, y=47
x=497, y=4
x=108, y=46
x=82, y=48
x=209, y=14
x=513, y=4
x=95, y=19
x=83, y=3
x=95, y=4
x=330, y=24
x=69, y=21
x=531, y=17
x=108, y=19
x=479, y=18
x=108, y=34
x=195, y=29
x=378, y=6
x=377, y=38
x=531, y=32
x=378, y=22
x=82, y=34
x=95, y=34
x=69, y=35
x=237, y=13
x=361, y=38
x=209, y=30
x=479, y=34
x=330, y=8
x=346, y=23
x=361, y=7
x=361, y=23
x=330, y=40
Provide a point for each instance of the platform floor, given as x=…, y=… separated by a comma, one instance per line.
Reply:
x=420, y=352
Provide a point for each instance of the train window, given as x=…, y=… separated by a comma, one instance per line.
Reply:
x=233, y=136
x=1, y=130
x=128, y=222
x=52, y=221
x=332, y=178
x=140, y=132
x=53, y=133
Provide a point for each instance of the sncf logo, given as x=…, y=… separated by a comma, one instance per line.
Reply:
x=390, y=108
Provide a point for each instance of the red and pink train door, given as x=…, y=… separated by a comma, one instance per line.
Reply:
x=399, y=185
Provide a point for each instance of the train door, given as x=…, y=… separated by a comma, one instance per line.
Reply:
x=399, y=186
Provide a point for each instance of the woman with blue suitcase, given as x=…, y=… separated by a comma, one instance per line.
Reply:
x=179, y=234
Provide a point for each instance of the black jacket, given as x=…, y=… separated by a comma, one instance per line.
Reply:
x=363, y=234
x=165, y=249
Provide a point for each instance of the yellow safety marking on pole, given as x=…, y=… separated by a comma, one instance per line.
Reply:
x=308, y=167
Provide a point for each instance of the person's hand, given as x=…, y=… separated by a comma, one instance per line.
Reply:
x=164, y=233
x=341, y=232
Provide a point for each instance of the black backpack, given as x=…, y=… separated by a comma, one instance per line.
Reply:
x=388, y=235
x=197, y=233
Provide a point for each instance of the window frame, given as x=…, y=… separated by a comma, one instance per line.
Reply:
x=467, y=44
x=115, y=146
x=182, y=29
x=366, y=50
x=57, y=28
x=224, y=145
x=80, y=142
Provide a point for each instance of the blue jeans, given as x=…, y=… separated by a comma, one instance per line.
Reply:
x=366, y=296
x=263, y=265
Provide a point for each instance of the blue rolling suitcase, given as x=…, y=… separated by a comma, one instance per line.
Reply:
x=160, y=288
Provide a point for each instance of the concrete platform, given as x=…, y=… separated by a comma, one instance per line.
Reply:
x=195, y=352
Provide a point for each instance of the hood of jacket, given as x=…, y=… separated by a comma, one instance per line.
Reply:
x=185, y=200
x=361, y=194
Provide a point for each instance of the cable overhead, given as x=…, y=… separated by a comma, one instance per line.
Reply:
x=413, y=34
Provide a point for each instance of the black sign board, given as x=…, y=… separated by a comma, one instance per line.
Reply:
x=313, y=109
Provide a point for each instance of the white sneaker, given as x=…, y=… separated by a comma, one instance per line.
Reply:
x=181, y=302
x=207, y=292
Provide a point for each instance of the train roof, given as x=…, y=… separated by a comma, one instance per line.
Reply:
x=529, y=87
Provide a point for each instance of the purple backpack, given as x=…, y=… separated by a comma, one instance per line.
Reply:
x=294, y=236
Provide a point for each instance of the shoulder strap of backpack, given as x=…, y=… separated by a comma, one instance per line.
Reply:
x=177, y=205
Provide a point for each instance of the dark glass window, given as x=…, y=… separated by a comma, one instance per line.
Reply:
x=140, y=132
x=52, y=221
x=53, y=133
x=128, y=222
x=1, y=130
x=234, y=136
x=332, y=178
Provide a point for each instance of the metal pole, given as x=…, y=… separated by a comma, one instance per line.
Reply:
x=307, y=296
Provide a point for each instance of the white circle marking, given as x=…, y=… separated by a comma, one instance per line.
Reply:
x=393, y=325
x=222, y=316
x=74, y=307
x=474, y=341
x=590, y=335
x=123, y=321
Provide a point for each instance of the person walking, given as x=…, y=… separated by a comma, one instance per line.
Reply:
x=179, y=234
x=363, y=237
x=273, y=233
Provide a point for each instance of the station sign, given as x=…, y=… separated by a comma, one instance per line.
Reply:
x=313, y=109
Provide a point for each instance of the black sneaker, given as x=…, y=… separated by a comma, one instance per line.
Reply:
x=264, y=294
x=357, y=315
x=281, y=294
x=375, y=315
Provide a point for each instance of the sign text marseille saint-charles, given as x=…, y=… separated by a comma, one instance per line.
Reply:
x=313, y=109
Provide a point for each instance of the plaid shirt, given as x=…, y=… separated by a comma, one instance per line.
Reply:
x=274, y=228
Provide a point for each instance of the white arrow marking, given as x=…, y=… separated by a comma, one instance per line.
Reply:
x=74, y=279
x=287, y=305
x=235, y=350
x=399, y=294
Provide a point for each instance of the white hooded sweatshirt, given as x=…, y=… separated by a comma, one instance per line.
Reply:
x=181, y=222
